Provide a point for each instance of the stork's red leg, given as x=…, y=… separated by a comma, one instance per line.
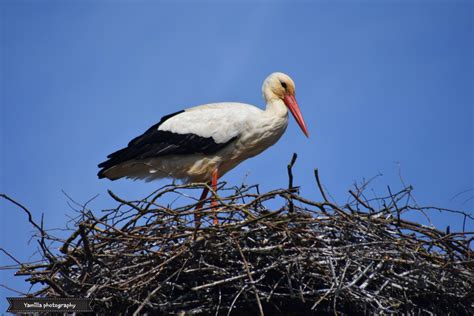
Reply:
x=213, y=201
x=197, y=215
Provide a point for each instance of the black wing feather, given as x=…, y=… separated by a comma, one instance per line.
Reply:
x=156, y=143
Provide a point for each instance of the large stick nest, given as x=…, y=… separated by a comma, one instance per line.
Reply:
x=298, y=258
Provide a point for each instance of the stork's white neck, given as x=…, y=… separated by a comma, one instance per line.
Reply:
x=276, y=107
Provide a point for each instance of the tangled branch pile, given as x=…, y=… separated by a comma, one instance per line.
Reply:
x=301, y=258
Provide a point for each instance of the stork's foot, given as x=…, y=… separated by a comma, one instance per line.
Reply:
x=197, y=215
x=215, y=220
x=214, y=203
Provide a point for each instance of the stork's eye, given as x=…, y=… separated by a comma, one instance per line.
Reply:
x=283, y=84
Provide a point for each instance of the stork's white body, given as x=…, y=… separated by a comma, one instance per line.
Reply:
x=207, y=140
x=254, y=131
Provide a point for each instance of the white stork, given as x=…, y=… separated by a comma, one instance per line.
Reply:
x=202, y=143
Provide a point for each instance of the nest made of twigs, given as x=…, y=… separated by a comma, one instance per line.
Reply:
x=300, y=258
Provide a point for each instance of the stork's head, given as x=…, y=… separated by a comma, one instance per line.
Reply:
x=279, y=86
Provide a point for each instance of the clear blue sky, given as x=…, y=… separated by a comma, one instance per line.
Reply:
x=381, y=86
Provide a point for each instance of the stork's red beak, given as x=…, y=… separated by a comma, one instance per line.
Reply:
x=291, y=103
